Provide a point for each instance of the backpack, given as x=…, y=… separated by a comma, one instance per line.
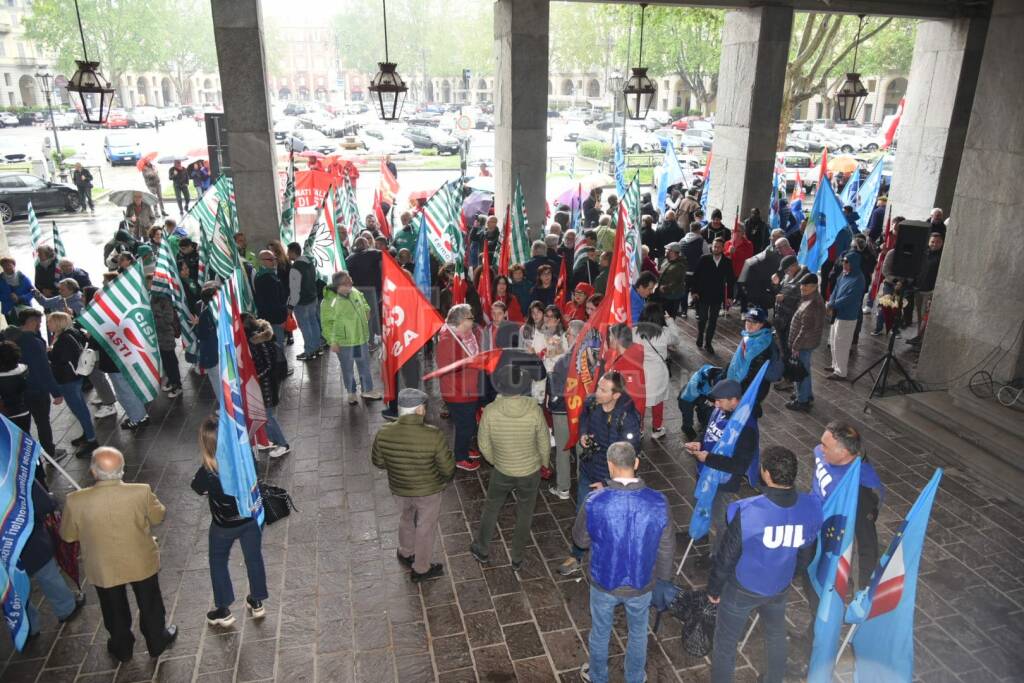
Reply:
x=87, y=361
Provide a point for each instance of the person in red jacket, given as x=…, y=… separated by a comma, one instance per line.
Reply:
x=462, y=388
x=738, y=250
x=576, y=307
x=627, y=359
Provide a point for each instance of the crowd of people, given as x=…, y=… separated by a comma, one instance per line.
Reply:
x=514, y=419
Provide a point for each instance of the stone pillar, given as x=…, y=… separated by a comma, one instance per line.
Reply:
x=978, y=304
x=520, y=105
x=755, y=50
x=940, y=90
x=238, y=33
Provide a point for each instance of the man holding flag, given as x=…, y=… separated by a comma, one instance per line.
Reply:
x=768, y=540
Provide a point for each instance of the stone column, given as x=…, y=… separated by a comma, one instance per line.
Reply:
x=978, y=304
x=940, y=90
x=238, y=33
x=755, y=49
x=520, y=105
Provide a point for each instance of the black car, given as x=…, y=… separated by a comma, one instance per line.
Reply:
x=423, y=118
x=28, y=118
x=432, y=138
x=18, y=189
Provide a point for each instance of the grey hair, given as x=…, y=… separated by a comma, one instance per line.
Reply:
x=101, y=474
x=847, y=436
x=339, y=277
x=458, y=313
x=576, y=326
x=69, y=282
x=539, y=245
x=622, y=454
x=551, y=241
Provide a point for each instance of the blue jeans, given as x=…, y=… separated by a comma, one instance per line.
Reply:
x=279, y=335
x=250, y=537
x=307, y=316
x=72, y=393
x=134, y=408
x=274, y=432
x=879, y=318
x=804, y=393
x=733, y=617
x=582, y=490
x=55, y=590
x=602, y=613
x=361, y=355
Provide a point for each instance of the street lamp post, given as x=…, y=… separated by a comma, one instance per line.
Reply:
x=45, y=78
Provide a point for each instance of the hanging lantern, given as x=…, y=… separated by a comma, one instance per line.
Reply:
x=90, y=93
x=852, y=93
x=387, y=87
x=639, y=91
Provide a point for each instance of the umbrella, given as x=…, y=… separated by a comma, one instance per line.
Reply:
x=310, y=154
x=419, y=194
x=198, y=152
x=477, y=203
x=582, y=186
x=123, y=198
x=483, y=183
x=145, y=159
x=842, y=164
x=171, y=158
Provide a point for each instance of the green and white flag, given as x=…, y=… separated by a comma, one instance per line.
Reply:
x=222, y=242
x=58, y=243
x=442, y=214
x=202, y=217
x=35, y=232
x=323, y=247
x=287, y=230
x=631, y=200
x=120, y=319
x=352, y=221
x=167, y=280
x=520, y=227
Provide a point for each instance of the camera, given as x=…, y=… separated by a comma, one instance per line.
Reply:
x=591, y=449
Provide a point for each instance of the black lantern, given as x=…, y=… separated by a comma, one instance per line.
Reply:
x=89, y=91
x=387, y=86
x=91, y=94
x=639, y=91
x=852, y=93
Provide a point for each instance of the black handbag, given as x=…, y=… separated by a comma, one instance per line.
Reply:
x=697, y=615
x=277, y=504
x=794, y=370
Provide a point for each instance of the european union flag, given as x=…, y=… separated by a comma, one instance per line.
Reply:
x=884, y=612
x=710, y=478
x=236, y=467
x=830, y=571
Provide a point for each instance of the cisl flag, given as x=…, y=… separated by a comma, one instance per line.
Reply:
x=408, y=320
x=120, y=319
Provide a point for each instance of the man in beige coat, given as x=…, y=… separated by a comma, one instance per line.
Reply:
x=112, y=522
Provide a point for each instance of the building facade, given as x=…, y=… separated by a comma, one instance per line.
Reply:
x=884, y=95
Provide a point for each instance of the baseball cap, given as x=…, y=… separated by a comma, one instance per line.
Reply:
x=809, y=279
x=756, y=314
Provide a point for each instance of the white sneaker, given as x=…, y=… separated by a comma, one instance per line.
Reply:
x=560, y=495
x=372, y=395
x=106, y=411
x=658, y=433
x=96, y=401
x=278, y=451
x=174, y=392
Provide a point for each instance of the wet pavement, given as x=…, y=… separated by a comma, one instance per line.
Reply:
x=343, y=609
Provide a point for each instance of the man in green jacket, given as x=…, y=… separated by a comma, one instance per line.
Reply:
x=513, y=437
x=419, y=464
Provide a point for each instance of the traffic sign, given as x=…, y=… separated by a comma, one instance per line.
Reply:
x=463, y=122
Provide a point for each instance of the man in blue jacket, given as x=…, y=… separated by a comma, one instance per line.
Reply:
x=769, y=540
x=627, y=528
x=609, y=415
x=41, y=383
x=845, y=306
x=15, y=288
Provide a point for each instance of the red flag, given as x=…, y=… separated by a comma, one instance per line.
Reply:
x=630, y=364
x=890, y=132
x=408, y=320
x=388, y=182
x=485, y=360
x=378, y=211
x=561, y=293
x=616, y=307
x=506, y=244
x=798, y=189
x=483, y=287
x=824, y=165
x=252, y=396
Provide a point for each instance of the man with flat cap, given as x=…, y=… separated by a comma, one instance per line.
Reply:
x=726, y=394
x=806, y=329
x=419, y=464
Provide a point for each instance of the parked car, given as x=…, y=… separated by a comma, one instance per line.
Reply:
x=63, y=120
x=302, y=139
x=804, y=141
x=702, y=139
x=14, y=151
x=285, y=127
x=166, y=114
x=188, y=110
x=338, y=126
x=799, y=163
x=18, y=189
x=8, y=119
x=384, y=140
x=484, y=122
x=118, y=118
x=424, y=118
x=654, y=120
x=639, y=141
x=121, y=148
x=142, y=117
x=429, y=138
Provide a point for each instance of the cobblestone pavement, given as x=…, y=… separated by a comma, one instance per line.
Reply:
x=342, y=609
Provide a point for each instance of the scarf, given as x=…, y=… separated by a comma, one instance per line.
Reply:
x=750, y=346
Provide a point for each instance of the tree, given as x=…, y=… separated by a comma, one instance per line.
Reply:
x=688, y=43
x=822, y=52
x=119, y=34
x=184, y=45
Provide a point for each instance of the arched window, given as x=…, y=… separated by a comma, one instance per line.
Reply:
x=593, y=88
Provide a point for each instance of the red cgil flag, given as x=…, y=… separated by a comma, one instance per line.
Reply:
x=378, y=211
x=388, y=183
x=561, y=293
x=408, y=321
x=484, y=286
x=506, y=244
x=485, y=360
x=890, y=132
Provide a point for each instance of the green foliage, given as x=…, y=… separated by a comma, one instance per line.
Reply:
x=592, y=149
x=184, y=45
x=678, y=112
x=428, y=152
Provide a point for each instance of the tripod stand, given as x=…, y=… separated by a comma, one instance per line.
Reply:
x=888, y=359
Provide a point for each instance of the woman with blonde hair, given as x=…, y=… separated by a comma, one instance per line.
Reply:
x=65, y=349
x=227, y=526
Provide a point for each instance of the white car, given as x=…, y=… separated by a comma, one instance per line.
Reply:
x=284, y=127
x=62, y=120
x=655, y=120
x=14, y=151
x=8, y=119
x=384, y=141
x=639, y=141
x=141, y=117
x=799, y=163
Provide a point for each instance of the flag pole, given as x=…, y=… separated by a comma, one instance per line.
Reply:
x=686, y=554
x=60, y=469
x=846, y=641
